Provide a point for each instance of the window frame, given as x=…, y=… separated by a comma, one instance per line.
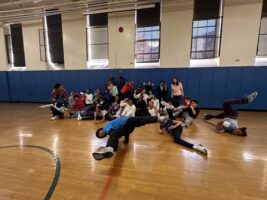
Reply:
x=218, y=36
x=148, y=40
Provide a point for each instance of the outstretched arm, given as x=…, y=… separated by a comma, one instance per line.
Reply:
x=219, y=127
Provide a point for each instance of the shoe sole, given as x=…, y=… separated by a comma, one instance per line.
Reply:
x=100, y=156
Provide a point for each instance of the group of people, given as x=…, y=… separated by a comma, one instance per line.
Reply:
x=127, y=108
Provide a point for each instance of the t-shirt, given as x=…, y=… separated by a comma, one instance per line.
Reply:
x=115, y=124
x=230, y=124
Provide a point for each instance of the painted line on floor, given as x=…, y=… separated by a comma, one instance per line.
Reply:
x=55, y=158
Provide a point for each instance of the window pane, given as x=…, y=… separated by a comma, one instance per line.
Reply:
x=140, y=29
x=155, y=56
x=148, y=35
x=200, y=55
x=148, y=28
x=210, y=43
x=139, y=47
x=140, y=35
x=195, y=23
x=98, y=51
x=155, y=28
x=262, y=48
x=194, y=32
x=193, y=55
x=155, y=46
x=211, y=22
x=155, y=35
x=209, y=54
x=194, y=44
x=201, y=43
x=211, y=31
x=202, y=31
x=147, y=57
x=147, y=47
x=202, y=23
x=263, y=25
x=98, y=35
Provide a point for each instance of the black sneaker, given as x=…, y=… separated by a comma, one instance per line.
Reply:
x=104, y=152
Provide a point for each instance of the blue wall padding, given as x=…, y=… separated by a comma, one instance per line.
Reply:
x=209, y=85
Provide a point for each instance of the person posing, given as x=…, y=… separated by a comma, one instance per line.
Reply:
x=175, y=129
x=117, y=128
x=177, y=92
x=229, y=116
x=59, y=94
x=189, y=112
x=162, y=90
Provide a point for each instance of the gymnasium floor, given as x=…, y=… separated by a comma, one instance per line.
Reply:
x=151, y=166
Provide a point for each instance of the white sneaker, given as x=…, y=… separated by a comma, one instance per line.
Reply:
x=185, y=125
x=252, y=96
x=201, y=149
x=54, y=117
x=79, y=117
x=103, y=152
x=163, y=118
x=166, y=105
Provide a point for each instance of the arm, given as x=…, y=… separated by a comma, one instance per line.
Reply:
x=182, y=89
x=219, y=127
x=177, y=123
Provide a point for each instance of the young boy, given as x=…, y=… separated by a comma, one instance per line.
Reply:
x=117, y=128
x=229, y=116
x=175, y=129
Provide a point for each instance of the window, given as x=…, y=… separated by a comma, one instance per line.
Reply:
x=206, y=30
x=262, y=41
x=51, y=40
x=97, y=40
x=14, y=45
x=147, y=46
x=205, y=39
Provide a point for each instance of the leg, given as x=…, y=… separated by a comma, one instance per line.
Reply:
x=218, y=116
x=176, y=134
x=112, y=145
x=139, y=121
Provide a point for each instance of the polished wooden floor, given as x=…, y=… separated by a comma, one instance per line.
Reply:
x=150, y=167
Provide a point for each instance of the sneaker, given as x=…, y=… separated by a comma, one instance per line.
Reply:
x=185, y=125
x=104, y=152
x=252, y=96
x=54, y=117
x=201, y=149
x=79, y=117
x=163, y=119
x=167, y=105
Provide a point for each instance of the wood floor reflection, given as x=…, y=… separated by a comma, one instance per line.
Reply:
x=151, y=166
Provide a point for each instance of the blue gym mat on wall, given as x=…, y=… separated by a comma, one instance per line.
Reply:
x=209, y=85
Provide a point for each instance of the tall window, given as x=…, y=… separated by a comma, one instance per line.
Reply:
x=147, y=47
x=97, y=40
x=51, y=40
x=206, y=31
x=14, y=45
x=262, y=41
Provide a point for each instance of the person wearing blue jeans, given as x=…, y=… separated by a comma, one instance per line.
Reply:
x=230, y=115
x=117, y=128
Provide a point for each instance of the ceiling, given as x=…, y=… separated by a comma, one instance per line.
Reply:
x=19, y=9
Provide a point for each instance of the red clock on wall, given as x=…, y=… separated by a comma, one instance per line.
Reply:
x=120, y=29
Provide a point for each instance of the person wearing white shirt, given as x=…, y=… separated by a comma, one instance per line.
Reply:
x=129, y=110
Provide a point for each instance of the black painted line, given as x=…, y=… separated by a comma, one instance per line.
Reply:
x=55, y=158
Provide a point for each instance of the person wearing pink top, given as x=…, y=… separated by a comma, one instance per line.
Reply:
x=177, y=92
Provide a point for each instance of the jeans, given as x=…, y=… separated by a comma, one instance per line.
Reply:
x=228, y=110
